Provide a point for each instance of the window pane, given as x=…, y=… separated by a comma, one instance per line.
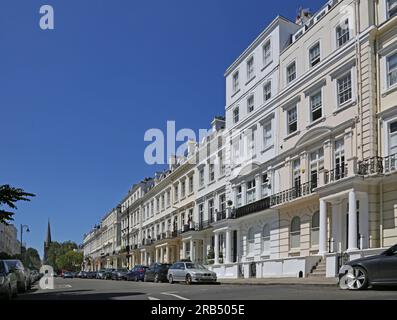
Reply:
x=314, y=55
x=392, y=69
x=344, y=89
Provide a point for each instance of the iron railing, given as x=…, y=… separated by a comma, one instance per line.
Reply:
x=253, y=207
x=291, y=194
x=336, y=174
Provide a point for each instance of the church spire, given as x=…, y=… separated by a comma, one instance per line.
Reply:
x=48, y=238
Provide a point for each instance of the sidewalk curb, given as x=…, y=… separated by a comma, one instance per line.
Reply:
x=279, y=284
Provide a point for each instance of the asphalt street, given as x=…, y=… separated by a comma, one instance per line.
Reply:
x=91, y=289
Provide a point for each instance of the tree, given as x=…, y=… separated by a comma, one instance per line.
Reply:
x=70, y=261
x=57, y=250
x=9, y=196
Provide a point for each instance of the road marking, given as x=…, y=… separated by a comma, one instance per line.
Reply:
x=68, y=286
x=174, y=295
x=153, y=298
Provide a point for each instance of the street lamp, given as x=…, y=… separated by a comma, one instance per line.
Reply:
x=27, y=230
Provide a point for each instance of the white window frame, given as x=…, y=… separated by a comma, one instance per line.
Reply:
x=295, y=106
x=236, y=115
x=211, y=172
x=339, y=37
x=267, y=59
x=250, y=65
x=251, y=141
x=319, y=54
x=250, y=107
x=339, y=104
x=201, y=177
x=251, y=191
x=267, y=84
x=239, y=196
x=388, y=71
x=235, y=84
x=320, y=106
x=268, y=139
x=288, y=81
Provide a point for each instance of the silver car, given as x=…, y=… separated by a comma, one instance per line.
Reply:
x=190, y=272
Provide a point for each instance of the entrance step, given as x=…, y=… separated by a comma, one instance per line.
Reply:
x=319, y=270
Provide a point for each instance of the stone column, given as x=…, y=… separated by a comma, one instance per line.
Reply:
x=167, y=254
x=228, y=246
x=258, y=187
x=216, y=249
x=161, y=255
x=352, y=242
x=192, y=256
x=157, y=254
x=336, y=226
x=183, y=249
x=323, y=228
x=204, y=250
x=364, y=220
x=243, y=193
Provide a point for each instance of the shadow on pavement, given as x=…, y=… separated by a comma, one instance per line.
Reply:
x=383, y=288
x=76, y=295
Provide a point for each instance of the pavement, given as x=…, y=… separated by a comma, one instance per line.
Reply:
x=299, y=289
x=283, y=281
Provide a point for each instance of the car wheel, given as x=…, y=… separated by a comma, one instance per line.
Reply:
x=188, y=279
x=156, y=278
x=170, y=279
x=357, y=279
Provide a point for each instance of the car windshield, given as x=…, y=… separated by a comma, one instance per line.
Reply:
x=12, y=264
x=2, y=269
x=194, y=266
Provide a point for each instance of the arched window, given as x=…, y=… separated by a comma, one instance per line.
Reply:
x=295, y=232
x=251, y=240
x=266, y=238
x=314, y=234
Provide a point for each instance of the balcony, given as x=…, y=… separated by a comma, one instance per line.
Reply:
x=202, y=225
x=378, y=165
x=251, y=208
x=336, y=174
x=299, y=191
x=221, y=215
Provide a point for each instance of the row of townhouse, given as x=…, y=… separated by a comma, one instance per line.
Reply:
x=303, y=168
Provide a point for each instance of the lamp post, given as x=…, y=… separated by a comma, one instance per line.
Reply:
x=27, y=230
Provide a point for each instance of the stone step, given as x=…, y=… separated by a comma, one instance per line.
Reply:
x=322, y=268
x=317, y=275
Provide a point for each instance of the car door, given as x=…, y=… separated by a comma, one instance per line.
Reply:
x=150, y=272
x=181, y=272
x=388, y=266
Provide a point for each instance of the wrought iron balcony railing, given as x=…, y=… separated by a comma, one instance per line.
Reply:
x=370, y=166
x=291, y=194
x=253, y=207
x=336, y=174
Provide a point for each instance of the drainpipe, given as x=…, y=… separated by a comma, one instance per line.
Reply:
x=381, y=214
x=358, y=73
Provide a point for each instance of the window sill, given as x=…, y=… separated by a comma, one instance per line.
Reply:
x=201, y=188
x=312, y=124
x=292, y=135
x=267, y=149
x=344, y=106
x=221, y=177
x=250, y=80
x=211, y=182
x=235, y=93
x=389, y=90
x=294, y=251
x=266, y=65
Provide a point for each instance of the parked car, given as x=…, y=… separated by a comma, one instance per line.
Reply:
x=137, y=273
x=119, y=274
x=374, y=270
x=68, y=275
x=35, y=276
x=17, y=267
x=91, y=275
x=190, y=272
x=157, y=272
x=8, y=281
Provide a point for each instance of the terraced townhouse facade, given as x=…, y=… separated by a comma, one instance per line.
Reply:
x=309, y=146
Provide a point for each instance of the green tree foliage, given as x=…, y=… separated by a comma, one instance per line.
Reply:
x=70, y=261
x=8, y=197
x=58, y=250
x=30, y=258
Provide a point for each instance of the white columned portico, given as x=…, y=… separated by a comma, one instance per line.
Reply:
x=183, y=250
x=167, y=254
x=228, y=246
x=323, y=228
x=216, y=250
x=337, y=226
x=192, y=257
x=352, y=242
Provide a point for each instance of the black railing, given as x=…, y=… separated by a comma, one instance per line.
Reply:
x=291, y=194
x=253, y=207
x=370, y=166
x=202, y=225
x=221, y=215
x=336, y=174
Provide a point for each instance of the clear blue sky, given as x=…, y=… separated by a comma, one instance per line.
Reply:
x=75, y=102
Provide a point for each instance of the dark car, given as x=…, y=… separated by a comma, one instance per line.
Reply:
x=119, y=274
x=137, y=273
x=8, y=282
x=23, y=279
x=68, y=275
x=157, y=272
x=91, y=275
x=374, y=270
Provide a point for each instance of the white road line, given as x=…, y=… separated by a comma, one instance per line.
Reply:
x=174, y=295
x=153, y=298
x=68, y=286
